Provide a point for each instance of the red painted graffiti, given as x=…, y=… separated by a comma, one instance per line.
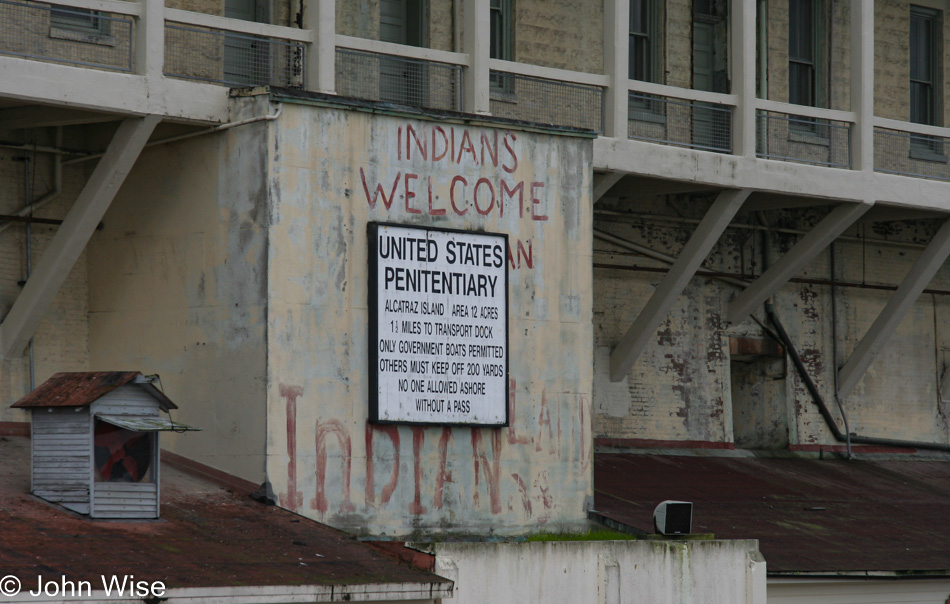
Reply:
x=525, y=499
x=491, y=469
x=393, y=433
x=544, y=419
x=513, y=438
x=442, y=476
x=293, y=498
x=337, y=429
x=418, y=439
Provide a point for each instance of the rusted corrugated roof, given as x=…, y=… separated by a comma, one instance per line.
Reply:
x=78, y=389
x=809, y=515
x=207, y=537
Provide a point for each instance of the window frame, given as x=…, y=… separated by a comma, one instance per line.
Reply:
x=641, y=107
x=501, y=45
x=80, y=25
x=923, y=147
x=808, y=130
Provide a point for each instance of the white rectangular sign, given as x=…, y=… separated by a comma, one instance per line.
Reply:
x=438, y=333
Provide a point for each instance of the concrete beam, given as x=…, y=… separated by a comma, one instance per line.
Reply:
x=36, y=116
x=923, y=271
x=697, y=248
x=476, y=34
x=604, y=182
x=616, y=66
x=64, y=249
x=862, y=85
x=777, y=275
x=742, y=56
x=319, y=16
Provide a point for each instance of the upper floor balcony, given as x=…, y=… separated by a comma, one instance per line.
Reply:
x=790, y=97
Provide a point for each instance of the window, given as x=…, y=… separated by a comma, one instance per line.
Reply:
x=923, y=81
x=807, y=68
x=802, y=50
x=500, y=42
x=80, y=19
x=642, y=41
x=642, y=60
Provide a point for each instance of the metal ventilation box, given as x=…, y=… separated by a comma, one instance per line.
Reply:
x=95, y=442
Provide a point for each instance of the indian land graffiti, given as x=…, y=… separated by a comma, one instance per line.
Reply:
x=487, y=486
x=450, y=188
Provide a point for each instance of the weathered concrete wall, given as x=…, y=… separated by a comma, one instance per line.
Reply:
x=335, y=170
x=178, y=287
x=619, y=572
x=685, y=386
x=60, y=342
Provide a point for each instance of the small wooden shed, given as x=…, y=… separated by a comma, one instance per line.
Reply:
x=95, y=442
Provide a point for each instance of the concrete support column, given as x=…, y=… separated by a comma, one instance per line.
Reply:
x=476, y=43
x=923, y=271
x=71, y=237
x=149, y=54
x=742, y=49
x=616, y=59
x=862, y=84
x=319, y=16
x=705, y=236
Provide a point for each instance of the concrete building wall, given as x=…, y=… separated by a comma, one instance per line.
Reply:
x=686, y=387
x=177, y=286
x=618, y=572
x=324, y=459
x=60, y=342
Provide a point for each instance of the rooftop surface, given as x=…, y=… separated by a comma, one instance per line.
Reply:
x=78, y=389
x=207, y=536
x=810, y=516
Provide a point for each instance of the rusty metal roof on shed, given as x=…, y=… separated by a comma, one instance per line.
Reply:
x=811, y=517
x=78, y=389
x=207, y=537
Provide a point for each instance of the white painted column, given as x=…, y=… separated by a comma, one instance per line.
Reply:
x=705, y=236
x=862, y=84
x=616, y=59
x=319, y=17
x=476, y=42
x=150, y=43
x=71, y=237
x=742, y=50
x=923, y=271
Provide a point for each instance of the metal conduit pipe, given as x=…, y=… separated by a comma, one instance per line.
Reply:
x=750, y=227
x=651, y=253
x=260, y=118
x=51, y=194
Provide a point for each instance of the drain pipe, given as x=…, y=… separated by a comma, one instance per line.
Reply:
x=171, y=139
x=28, y=193
x=834, y=344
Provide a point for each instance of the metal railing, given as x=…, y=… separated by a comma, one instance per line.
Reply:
x=399, y=80
x=909, y=154
x=806, y=140
x=214, y=55
x=682, y=123
x=547, y=101
x=70, y=36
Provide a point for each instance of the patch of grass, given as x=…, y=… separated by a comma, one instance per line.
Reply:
x=591, y=535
